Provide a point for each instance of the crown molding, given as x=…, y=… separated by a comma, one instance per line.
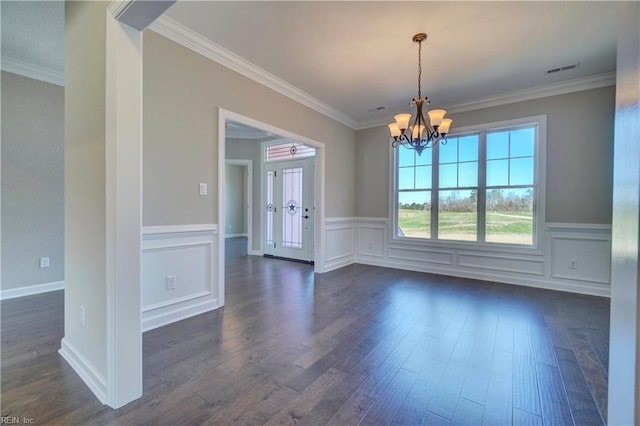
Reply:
x=186, y=37
x=25, y=69
x=554, y=89
x=560, y=88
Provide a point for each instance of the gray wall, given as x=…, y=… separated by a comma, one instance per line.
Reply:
x=235, y=201
x=249, y=149
x=182, y=93
x=32, y=181
x=579, y=155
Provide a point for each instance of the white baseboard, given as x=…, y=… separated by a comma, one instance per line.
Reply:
x=87, y=372
x=31, y=290
x=340, y=243
x=333, y=264
x=177, y=310
x=255, y=252
x=497, y=277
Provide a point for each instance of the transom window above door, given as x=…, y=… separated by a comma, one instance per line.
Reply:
x=288, y=151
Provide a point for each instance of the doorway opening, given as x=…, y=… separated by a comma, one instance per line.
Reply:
x=249, y=147
x=239, y=203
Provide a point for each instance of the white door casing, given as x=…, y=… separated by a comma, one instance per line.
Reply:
x=289, y=209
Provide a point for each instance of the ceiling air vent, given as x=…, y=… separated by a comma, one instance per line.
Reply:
x=379, y=108
x=563, y=68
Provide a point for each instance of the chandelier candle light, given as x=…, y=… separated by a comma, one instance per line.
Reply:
x=421, y=134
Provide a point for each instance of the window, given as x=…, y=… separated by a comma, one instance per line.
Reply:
x=288, y=151
x=482, y=186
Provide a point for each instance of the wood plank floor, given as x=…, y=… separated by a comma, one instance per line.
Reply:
x=361, y=345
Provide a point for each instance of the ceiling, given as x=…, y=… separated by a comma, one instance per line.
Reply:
x=33, y=33
x=356, y=56
x=241, y=131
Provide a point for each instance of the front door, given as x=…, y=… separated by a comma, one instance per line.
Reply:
x=289, y=209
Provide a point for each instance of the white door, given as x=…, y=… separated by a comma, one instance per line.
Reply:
x=289, y=209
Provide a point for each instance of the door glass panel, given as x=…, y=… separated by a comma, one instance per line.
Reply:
x=292, y=209
x=270, y=207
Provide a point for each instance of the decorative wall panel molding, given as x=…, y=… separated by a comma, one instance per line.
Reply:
x=579, y=254
x=573, y=257
x=178, y=273
x=340, y=241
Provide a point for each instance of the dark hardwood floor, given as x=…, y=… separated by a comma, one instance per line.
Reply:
x=360, y=345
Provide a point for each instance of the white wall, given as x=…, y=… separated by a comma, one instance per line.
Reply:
x=85, y=187
x=624, y=382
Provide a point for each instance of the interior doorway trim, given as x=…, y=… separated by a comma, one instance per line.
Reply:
x=123, y=139
x=319, y=230
x=248, y=164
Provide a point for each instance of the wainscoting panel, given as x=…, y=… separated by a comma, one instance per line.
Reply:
x=573, y=257
x=421, y=255
x=582, y=254
x=340, y=239
x=502, y=263
x=371, y=238
x=178, y=273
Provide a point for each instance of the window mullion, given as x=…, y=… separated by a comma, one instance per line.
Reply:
x=512, y=216
x=482, y=186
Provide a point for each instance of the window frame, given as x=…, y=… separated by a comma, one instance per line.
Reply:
x=539, y=182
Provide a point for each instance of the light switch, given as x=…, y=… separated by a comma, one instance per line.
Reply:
x=203, y=189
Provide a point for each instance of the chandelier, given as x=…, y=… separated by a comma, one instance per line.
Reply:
x=421, y=134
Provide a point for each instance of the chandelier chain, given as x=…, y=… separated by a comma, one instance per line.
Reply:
x=419, y=69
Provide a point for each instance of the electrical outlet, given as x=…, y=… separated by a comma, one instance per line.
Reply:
x=203, y=189
x=44, y=262
x=83, y=316
x=573, y=264
x=171, y=282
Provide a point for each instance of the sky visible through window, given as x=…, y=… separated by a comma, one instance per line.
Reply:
x=479, y=186
x=509, y=156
